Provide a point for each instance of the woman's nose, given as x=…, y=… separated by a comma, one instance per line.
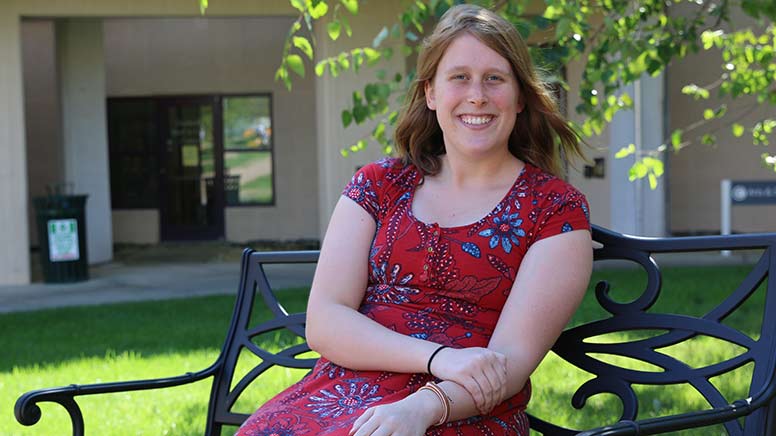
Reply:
x=477, y=94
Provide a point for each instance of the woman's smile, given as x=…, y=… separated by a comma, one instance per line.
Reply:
x=476, y=120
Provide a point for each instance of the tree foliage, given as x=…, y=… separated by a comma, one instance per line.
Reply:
x=618, y=42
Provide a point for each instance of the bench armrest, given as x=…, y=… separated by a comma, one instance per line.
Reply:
x=672, y=423
x=28, y=413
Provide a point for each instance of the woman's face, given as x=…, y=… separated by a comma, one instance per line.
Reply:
x=476, y=98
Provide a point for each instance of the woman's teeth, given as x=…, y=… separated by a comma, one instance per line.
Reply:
x=476, y=120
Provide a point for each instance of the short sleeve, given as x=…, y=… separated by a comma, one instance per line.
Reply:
x=365, y=188
x=568, y=211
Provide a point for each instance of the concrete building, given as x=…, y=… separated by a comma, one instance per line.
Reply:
x=173, y=125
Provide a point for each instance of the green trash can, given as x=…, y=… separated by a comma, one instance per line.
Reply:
x=62, y=237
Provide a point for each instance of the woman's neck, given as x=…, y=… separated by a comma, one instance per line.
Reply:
x=463, y=173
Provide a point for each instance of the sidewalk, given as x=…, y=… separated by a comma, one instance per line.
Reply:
x=148, y=274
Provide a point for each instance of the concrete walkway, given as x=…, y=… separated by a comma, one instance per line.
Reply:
x=112, y=283
x=118, y=282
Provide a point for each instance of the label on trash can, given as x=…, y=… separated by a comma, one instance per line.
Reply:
x=63, y=240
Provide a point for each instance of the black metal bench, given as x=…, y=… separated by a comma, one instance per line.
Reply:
x=754, y=415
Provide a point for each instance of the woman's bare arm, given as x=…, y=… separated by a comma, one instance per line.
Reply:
x=348, y=338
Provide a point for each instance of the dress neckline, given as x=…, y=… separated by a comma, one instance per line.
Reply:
x=418, y=176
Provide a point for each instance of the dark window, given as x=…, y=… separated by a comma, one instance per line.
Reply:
x=248, y=143
x=134, y=164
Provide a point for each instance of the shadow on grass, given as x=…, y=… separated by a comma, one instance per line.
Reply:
x=50, y=337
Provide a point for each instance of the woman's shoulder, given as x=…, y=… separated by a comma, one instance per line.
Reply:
x=388, y=171
x=543, y=183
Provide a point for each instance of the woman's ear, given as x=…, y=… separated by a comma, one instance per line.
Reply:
x=428, y=89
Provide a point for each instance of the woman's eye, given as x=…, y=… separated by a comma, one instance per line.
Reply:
x=459, y=76
x=494, y=78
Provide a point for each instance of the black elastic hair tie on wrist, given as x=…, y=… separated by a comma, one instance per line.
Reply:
x=428, y=366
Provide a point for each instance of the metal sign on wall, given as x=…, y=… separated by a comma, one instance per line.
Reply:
x=746, y=193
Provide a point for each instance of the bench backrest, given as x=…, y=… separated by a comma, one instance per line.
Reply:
x=574, y=345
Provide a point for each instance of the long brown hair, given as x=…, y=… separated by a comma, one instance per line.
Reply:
x=540, y=130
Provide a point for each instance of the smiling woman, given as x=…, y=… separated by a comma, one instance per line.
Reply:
x=434, y=260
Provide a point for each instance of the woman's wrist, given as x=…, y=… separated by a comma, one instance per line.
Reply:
x=429, y=405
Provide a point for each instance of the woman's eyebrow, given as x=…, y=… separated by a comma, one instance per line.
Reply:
x=457, y=68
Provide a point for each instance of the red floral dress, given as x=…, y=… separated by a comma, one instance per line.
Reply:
x=443, y=284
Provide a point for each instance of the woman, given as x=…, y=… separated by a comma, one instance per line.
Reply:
x=459, y=262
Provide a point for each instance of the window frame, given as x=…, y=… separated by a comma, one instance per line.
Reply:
x=270, y=149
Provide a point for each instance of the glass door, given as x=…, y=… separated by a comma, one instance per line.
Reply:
x=191, y=200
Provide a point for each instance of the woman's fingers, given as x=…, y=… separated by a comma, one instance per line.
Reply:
x=482, y=372
x=358, y=423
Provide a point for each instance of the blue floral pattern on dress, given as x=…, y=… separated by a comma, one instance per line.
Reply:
x=361, y=191
x=506, y=229
x=390, y=289
x=334, y=404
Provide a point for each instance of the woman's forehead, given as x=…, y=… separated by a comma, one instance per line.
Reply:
x=467, y=51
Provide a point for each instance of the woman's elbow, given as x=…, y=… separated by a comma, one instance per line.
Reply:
x=311, y=333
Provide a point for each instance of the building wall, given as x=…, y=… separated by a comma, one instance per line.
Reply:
x=42, y=113
x=335, y=94
x=696, y=171
x=14, y=246
x=189, y=56
x=81, y=67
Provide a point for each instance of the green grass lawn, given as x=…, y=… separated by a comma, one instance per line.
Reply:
x=159, y=339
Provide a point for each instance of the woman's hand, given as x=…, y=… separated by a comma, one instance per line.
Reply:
x=482, y=372
x=411, y=416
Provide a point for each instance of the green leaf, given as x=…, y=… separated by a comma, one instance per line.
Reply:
x=379, y=132
x=299, y=5
x=360, y=113
x=350, y=5
x=709, y=139
x=696, y=92
x=319, y=10
x=626, y=100
x=710, y=38
x=676, y=138
x=654, y=165
x=347, y=118
x=296, y=64
x=333, y=68
x=625, y=151
x=738, y=130
x=304, y=46
x=202, y=6
x=320, y=67
x=344, y=61
x=708, y=114
x=282, y=75
x=372, y=56
x=346, y=25
x=652, y=181
x=334, y=28
x=380, y=37
x=637, y=171
x=361, y=144
x=552, y=12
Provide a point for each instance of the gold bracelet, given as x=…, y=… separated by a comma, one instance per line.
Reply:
x=433, y=387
